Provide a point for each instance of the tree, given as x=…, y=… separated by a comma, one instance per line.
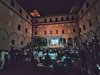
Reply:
x=39, y=41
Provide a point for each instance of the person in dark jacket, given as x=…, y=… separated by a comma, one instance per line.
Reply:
x=47, y=61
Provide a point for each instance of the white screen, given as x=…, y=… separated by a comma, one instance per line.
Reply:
x=54, y=41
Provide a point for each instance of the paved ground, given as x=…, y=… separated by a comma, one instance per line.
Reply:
x=26, y=68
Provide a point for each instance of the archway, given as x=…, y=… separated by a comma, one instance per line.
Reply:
x=76, y=41
x=21, y=41
x=91, y=34
x=98, y=33
x=70, y=42
x=13, y=40
x=84, y=37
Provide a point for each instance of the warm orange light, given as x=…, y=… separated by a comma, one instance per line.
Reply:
x=35, y=13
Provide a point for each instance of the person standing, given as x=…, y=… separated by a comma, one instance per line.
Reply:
x=2, y=58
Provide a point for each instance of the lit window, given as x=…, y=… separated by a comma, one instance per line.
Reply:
x=19, y=27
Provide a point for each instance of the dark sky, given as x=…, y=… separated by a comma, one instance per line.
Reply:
x=50, y=7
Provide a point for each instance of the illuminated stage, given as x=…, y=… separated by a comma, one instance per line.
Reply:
x=54, y=42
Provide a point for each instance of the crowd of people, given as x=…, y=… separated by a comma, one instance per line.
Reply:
x=45, y=56
x=65, y=58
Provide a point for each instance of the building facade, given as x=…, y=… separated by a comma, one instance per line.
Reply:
x=55, y=28
x=89, y=20
x=15, y=25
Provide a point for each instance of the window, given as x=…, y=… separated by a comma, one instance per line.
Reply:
x=90, y=23
x=87, y=4
x=62, y=18
x=36, y=21
x=45, y=20
x=50, y=20
x=12, y=42
x=67, y=18
x=21, y=42
x=20, y=11
x=26, y=16
x=63, y=31
x=12, y=3
x=19, y=27
x=50, y=31
x=3, y=38
x=31, y=20
x=56, y=31
x=25, y=30
x=35, y=32
x=74, y=30
x=72, y=17
x=80, y=30
x=81, y=11
x=56, y=19
x=84, y=27
x=45, y=32
x=97, y=19
x=35, y=26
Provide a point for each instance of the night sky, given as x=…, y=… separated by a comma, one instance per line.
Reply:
x=49, y=7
